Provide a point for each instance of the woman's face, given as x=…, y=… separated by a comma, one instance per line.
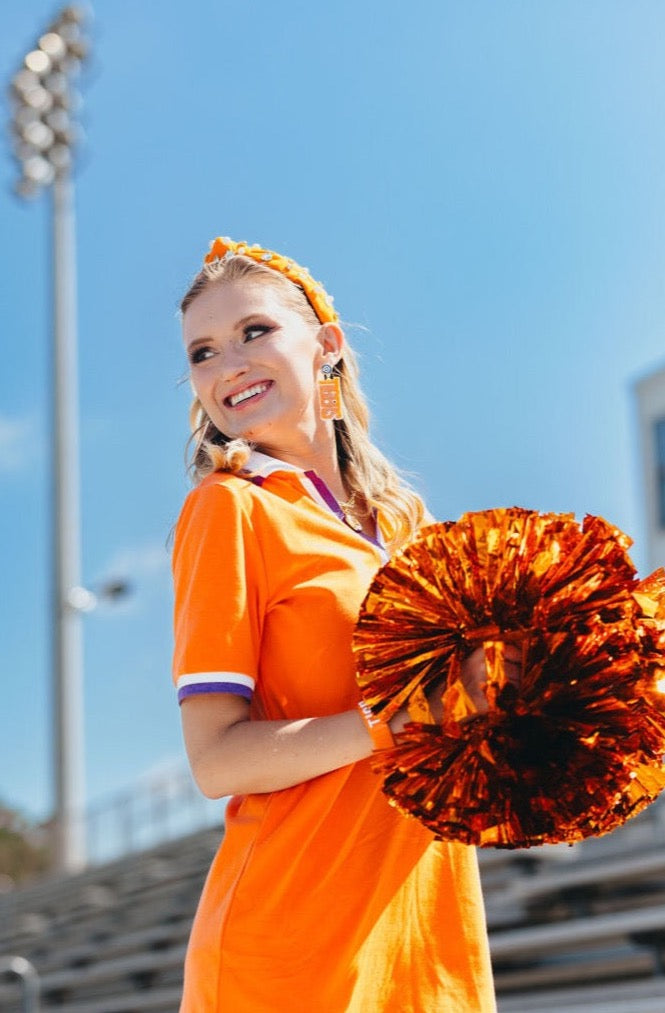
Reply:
x=254, y=363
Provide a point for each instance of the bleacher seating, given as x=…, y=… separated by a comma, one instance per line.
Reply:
x=572, y=930
x=581, y=928
x=111, y=939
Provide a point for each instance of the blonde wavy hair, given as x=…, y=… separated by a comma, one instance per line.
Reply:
x=371, y=481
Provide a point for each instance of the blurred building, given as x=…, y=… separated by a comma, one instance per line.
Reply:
x=650, y=396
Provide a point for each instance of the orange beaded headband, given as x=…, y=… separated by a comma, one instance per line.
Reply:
x=224, y=248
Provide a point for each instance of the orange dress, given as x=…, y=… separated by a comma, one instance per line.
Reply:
x=321, y=898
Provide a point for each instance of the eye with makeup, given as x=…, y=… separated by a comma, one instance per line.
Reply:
x=253, y=331
x=200, y=354
x=250, y=332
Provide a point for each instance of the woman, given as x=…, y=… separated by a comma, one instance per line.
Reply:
x=322, y=897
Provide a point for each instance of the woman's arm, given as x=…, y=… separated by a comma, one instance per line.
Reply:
x=232, y=755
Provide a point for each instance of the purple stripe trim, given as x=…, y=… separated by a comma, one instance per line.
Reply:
x=196, y=688
x=255, y=479
x=330, y=500
x=325, y=494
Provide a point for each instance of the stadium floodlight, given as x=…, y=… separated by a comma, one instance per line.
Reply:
x=45, y=134
x=44, y=98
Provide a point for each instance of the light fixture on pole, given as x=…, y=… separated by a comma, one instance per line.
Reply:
x=44, y=103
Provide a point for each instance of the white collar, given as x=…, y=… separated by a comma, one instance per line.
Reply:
x=261, y=465
x=264, y=465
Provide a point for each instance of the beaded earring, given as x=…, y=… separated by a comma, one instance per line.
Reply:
x=330, y=394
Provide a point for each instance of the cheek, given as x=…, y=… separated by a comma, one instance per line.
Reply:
x=203, y=392
x=199, y=390
x=304, y=387
x=203, y=379
x=305, y=372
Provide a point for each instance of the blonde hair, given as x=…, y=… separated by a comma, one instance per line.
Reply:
x=372, y=482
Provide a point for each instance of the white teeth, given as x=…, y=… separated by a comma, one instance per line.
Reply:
x=258, y=388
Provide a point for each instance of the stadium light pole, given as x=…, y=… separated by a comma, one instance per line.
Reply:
x=43, y=103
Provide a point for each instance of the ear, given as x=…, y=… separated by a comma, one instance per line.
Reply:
x=331, y=339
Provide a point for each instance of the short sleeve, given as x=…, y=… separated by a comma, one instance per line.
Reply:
x=219, y=585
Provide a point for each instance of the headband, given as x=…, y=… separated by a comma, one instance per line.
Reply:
x=224, y=248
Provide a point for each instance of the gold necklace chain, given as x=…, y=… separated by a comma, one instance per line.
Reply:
x=351, y=516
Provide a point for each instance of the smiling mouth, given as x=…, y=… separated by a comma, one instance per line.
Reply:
x=233, y=400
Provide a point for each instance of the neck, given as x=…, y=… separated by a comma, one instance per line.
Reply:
x=319, y=456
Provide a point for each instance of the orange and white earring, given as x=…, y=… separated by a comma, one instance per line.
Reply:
x=330, y=394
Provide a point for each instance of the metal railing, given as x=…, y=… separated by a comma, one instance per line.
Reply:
x=21, y=968
x=157, y=809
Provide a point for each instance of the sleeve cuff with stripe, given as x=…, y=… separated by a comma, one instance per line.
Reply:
x=215, y=682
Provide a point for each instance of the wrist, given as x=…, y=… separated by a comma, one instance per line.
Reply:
x=379, y=730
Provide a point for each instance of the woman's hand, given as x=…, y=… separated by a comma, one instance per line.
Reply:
x=473, y=676
x=231, y=754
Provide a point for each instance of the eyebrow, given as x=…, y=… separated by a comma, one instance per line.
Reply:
x=238, y=325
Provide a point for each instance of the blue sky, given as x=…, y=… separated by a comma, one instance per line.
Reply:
x=481, y=186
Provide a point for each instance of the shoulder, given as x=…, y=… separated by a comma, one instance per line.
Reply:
x=221, y=491
x=223, y=483
x=221, y=501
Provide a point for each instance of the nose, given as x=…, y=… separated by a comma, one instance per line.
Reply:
x=232, y=363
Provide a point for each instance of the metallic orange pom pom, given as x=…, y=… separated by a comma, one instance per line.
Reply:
x=578, y=746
